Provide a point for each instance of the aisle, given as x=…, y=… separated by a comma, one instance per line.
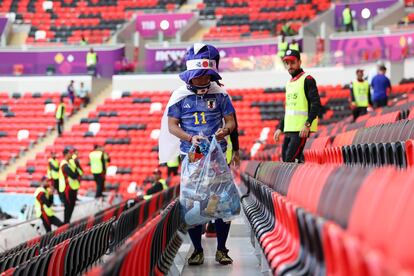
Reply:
x=241, y=251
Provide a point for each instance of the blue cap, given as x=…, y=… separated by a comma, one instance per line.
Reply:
x=201, y=59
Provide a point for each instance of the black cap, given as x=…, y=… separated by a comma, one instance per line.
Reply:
x=291, y=54
x=66, y=150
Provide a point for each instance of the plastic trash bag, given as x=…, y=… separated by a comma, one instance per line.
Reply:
x=207, y=188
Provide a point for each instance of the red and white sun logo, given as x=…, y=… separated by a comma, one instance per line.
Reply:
x=205, y=64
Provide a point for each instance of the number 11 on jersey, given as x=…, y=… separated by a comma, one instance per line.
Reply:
x=203, y=118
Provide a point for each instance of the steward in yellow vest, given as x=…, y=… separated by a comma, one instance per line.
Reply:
x=69, y=183
x=60, y=116
x=91, y=58
x=98, y=160
x=91, y=62
x=347, y=19
x=302, y=108
x=158, y=185
x=43, y=205
x=360, y=95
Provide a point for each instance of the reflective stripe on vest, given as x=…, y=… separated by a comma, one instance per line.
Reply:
x=73, y=183
x=95, y=158
x=360, y=91
x=90, y=59
x=51, y=174
x=282, y=47
x=347, y=16
x=39, y=206
x=296, y=112
x=294, y=46
x=60, y=112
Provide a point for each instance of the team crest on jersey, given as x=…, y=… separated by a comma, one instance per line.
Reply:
x=211, y=103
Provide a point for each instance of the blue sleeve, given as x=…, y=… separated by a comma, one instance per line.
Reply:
x=226, y=106
x=388, y=83
x=175, y=111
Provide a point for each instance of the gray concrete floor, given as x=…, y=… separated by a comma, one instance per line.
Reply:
x=246, y=258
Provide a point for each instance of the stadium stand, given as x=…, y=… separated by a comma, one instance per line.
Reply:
x=337, y=129
x=327, y=226
x=66, y=21
x=127, y=127
x=25, y=118
x=74, y=247
x=241, y=19
x=151, y=250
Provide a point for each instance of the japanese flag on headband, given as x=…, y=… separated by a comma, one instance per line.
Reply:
x=201, y=59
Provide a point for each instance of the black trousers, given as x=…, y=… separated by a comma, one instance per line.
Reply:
x=70, y=202
x=292, y=149
x=172, y=171
x=100, y=182
x=380, y=103
x=349, y=27
x=49, y=221
x=59, y=126
x=359, y=111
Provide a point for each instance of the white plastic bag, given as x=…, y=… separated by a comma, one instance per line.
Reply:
x=207, y=189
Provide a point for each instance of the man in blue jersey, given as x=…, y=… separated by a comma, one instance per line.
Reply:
x=197, y=111
x=382, y=88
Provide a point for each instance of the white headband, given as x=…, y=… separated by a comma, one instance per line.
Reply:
x=197, y=64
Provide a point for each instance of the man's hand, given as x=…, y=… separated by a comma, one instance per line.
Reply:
x=353, y=105
x=196, y=139
x=236, y=159
x=276, y=135
x=221, y=133
x=304, y=132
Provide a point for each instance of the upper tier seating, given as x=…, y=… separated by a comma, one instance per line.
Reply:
x=241, y=19
x=67, y=20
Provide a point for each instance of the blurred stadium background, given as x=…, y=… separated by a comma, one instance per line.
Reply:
x=346, y=211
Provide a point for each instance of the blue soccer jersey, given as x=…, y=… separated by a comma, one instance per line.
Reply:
x=201, y=115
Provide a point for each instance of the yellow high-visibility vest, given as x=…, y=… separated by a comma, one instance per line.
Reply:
x=361, y=91
x=347, y=16
x=73, y=183
x=72, y=163
x=95, y=159
x=164, y=187
x=173, y=163
x=294, y=46
x=229, y=150
x=39, y=206
x=60, y=112
x=91, y=59
x=282, y=48
x=51, y=174
x=296, y=112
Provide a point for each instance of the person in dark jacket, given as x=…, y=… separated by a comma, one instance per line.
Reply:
x=301, y=109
